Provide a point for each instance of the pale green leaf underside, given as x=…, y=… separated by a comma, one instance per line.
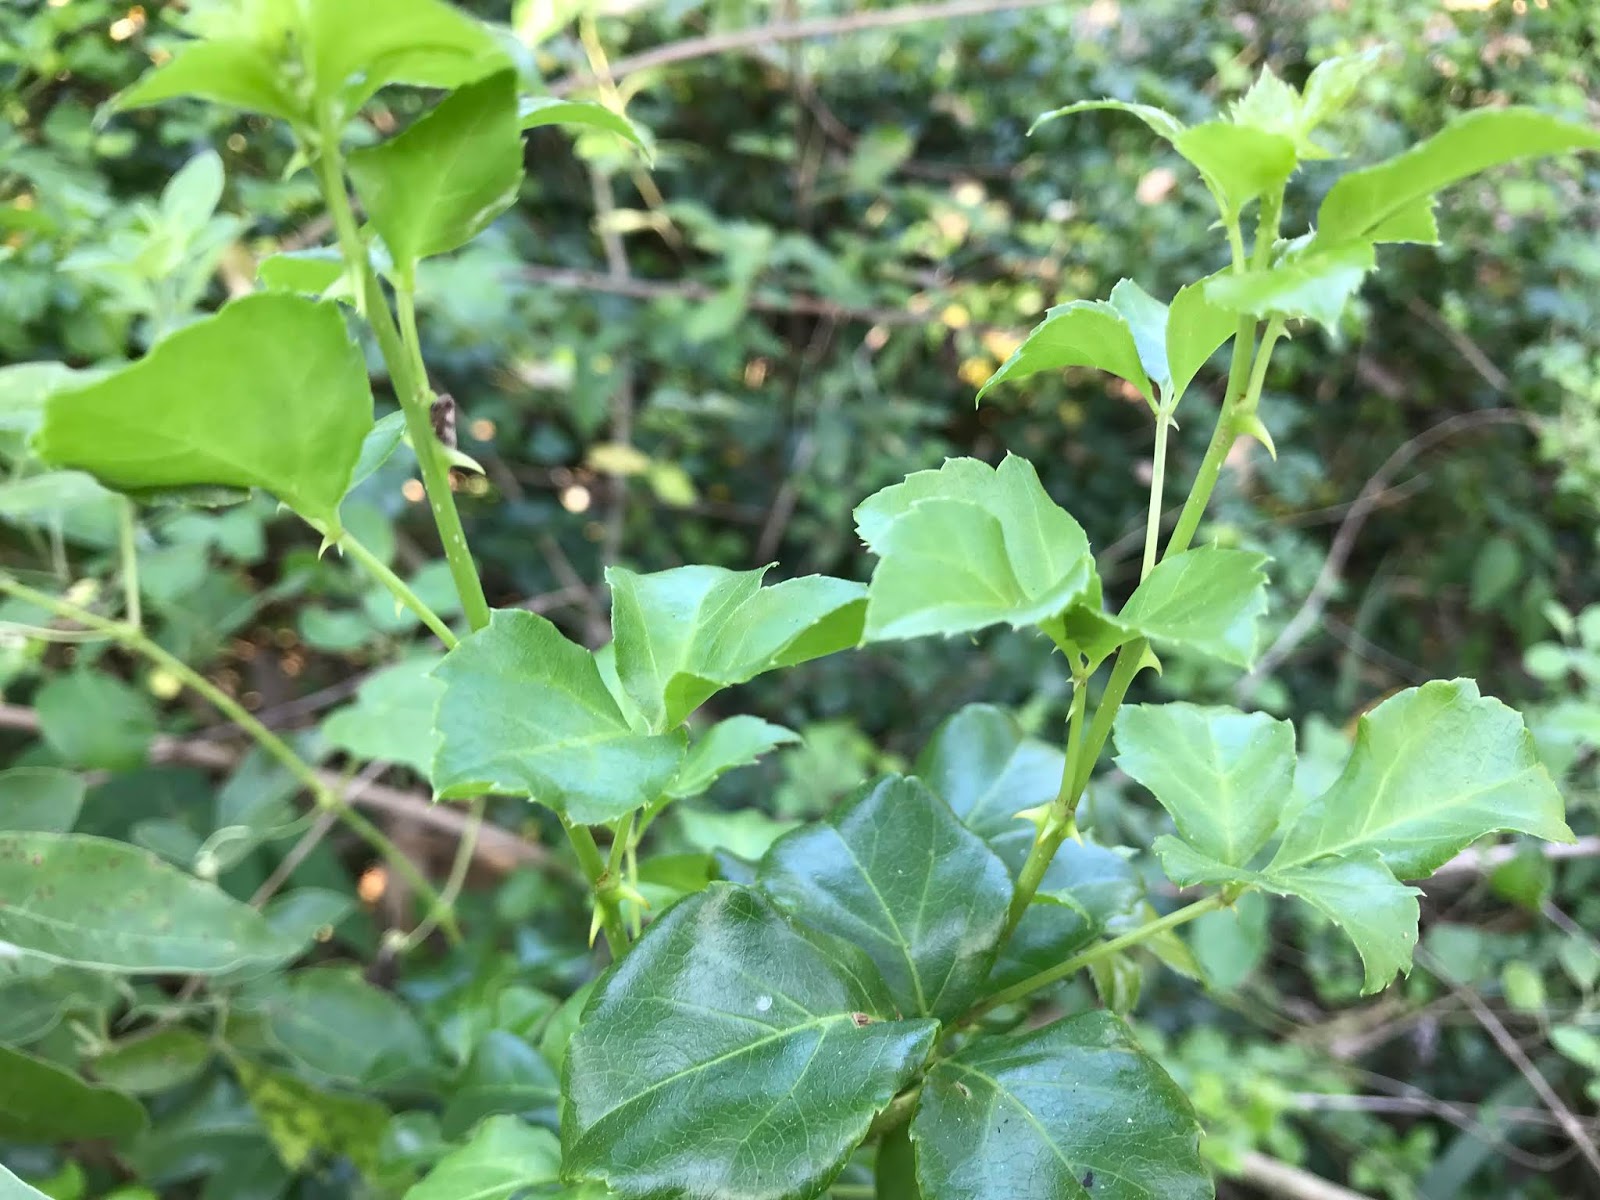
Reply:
x=1208, y=600
x=12, y=1188
x=1084, y=333
x=503, y=1158
x=525, y=712
x=732, y=1053
x=536, y=111
x=1314, y=285
x=269, y=393
x=736, y=742
x=391, y=719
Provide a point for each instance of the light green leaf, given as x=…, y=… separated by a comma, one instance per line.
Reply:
x=525, y=713
x=1073, y=1111
x=737, y=742
x=1313, y=285
x=12, y=1188
x=39, y=800
x=982, y=764
x=1084, y=333
x=969, y=546
x=441, y=182
x=895, y=873
x=153, y=1062
x=534, y=111
x=269, y=393
x=236, y=72
x=43, y=1103
x=732, y=1053
x=24, y=388
x=683, y=635
x=92, y=902
x=305, y=1122
x=504, y=1075
x=1223, y=775
x=391, y=719
x=1362, y=202
x=1146, y=318
x=1270, y=105
x=382, y=440
x=503, y=1159
x=1433, y=769
x=1206, y=600
x=314, y=272
x=1196, y=328
x=92, y=719
x=1238, y=162
x=1333, y=85
x=1160, y=121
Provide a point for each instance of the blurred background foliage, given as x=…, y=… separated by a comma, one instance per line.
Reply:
x=714, y=359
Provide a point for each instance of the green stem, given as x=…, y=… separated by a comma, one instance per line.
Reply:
x=605, y=899
x=398, y=588
x=1129, y=661
x=445, y=908
x=1056, y=824
x=127, y=532
x=1158, y=481
x=410, y=385
x=1222, y=439
x=1095, y=953
x=135, y=640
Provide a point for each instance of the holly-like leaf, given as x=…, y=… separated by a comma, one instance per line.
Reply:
x=1314, y=285
x=39, y=800
x=441, y=182
x=535, y=111
x=1073, y=1111
x=504, y=1158
x=1206, y=600
x=895, y=873
x=1223, y=775
x=1196, y=328
x=1333, y=85
x=683, y=635
x=732, y=1053
x=504, y=1075
x=92, y=902
x=1084, y=333
x=525, y=712
x=269, y=393
x=1433, y=769
x=737, y=742
x=235, y=72
x=1362, y=202
x=391, y=718
x=987, y=769
x=969, y=546
x=41, y=1103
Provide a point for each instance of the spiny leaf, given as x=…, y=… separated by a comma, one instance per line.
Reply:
x=1208, y=600
x=536, y=111
x=1084, y=333
x=737, y=742
x=504, y=1158
x=1314, y=285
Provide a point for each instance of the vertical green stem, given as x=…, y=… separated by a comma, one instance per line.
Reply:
x=1057, y=822
x=1158, y=480
x=127, y=534
x=444, y=910
x=1222, y=439
x=605, y=897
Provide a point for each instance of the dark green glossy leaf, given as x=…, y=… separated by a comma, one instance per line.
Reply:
x=436, y=186
x=153, y=1062
x=338, y=1026
x=1073, y=1111
x=968, y=546
x=526, y=712
x=503, y=1159
x=93, y=719
x=93, y=902
x=1433, y=769
x=1084, y=333
x=1223, y=775
x=269, y=393
x=737, y=742
x=504, y=1075
x=391, y=719
x=43, y=1103
x=897, y=874
x=683, y=635
x=39, y=800
x=732, y=1053
x=1206, y=600
x=988, y=770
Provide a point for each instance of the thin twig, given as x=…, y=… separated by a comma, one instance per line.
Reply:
x=1282, y=1179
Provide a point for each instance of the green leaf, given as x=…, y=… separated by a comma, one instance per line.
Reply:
x=969, y=546
x=305, y=1122
x=895, y=873
x=12, y=1188
x=444, y=180
x=1333, y=85
x=236, y=72
x=525, y=712
x=391, y=719
x=43, y=1103
x=340, y=1028
x=987, y=769
x=1270, y=105
x=94, y=720
x=534, y=111
x=503, y=1159
x=737, y=742
x=314, y=272
x=1146, y=318
x=359, y=46
x=1206, y=600
x=504, y=1075
x=269, y=393
x=1223, y=775
x=153, y=1062
x=1362, y=202
x=1084, y=333
x=39, y=800
x=1314, y=285
x=1433, y=769
x=685, y=634
x=36, y=996
x=732, y=1053
x=93, y=902
x=1073, y=1111
x=1196, y=328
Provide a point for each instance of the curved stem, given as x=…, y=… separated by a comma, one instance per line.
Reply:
x=303, y=772
x=1095, y=953
x=1056, y=824
x=445, y=908
x=398, y=587
x=605, y=900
